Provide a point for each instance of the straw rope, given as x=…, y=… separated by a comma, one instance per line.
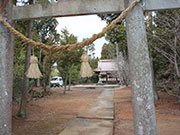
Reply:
x=56, y=47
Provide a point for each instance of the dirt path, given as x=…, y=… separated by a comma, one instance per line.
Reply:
x=50, y=115
x=167, y=114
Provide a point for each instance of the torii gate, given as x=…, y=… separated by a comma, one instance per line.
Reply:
x=141, y=76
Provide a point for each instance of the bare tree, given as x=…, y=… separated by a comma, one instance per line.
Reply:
x=123, y=69
x=164, y=33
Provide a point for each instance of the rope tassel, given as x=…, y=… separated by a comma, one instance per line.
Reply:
x=33, y=71
x=86, y=70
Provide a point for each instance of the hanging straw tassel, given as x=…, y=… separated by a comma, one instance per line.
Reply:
x=86, y=70
x=33, y=71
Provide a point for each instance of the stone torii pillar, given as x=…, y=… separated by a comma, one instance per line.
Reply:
x=6, y=68
x=141, y=75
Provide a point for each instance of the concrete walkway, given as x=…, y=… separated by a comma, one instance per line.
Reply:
x=97, y=120
x=103, y=108
x=95, y=86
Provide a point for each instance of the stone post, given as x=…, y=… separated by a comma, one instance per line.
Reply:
x=6, y=69
x=141, y=73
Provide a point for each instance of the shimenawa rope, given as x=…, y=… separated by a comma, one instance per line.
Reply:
x=70, y=46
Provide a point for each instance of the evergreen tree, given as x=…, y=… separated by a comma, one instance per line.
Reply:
x=68, y=59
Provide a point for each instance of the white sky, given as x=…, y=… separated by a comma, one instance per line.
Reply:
x=84, y=27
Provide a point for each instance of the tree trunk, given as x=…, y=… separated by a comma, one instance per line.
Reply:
x=141, y=73
x=67, y=70
x=47, y=75
x=176, y=64
x=70, y=77
x=155, y=94
x=40, y=55
x=125, y=79
x=178, y=91
x=175, y=52
x=6, y=69
x=117, y=55
x=79, y=78
x=44, y=75
x=25, y=88
x=176, y=67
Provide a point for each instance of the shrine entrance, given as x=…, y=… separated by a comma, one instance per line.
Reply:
x=141, y=76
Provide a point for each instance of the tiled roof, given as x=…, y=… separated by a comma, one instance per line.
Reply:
x=106, y=65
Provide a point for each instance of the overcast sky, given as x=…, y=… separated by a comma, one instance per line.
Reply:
x=84, y=27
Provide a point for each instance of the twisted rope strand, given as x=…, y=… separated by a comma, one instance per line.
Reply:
x=69, y=47
x=23, y=38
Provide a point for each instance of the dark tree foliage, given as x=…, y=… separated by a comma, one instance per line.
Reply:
x=163, y=30
x=109, y=17
x=68, y=59
x=41, y=31
x=108, y=51
x=116, y=36
x=45, y=28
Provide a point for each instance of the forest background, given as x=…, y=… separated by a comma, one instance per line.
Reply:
x=163, y=31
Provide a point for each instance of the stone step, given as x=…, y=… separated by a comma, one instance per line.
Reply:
x=81, y=126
